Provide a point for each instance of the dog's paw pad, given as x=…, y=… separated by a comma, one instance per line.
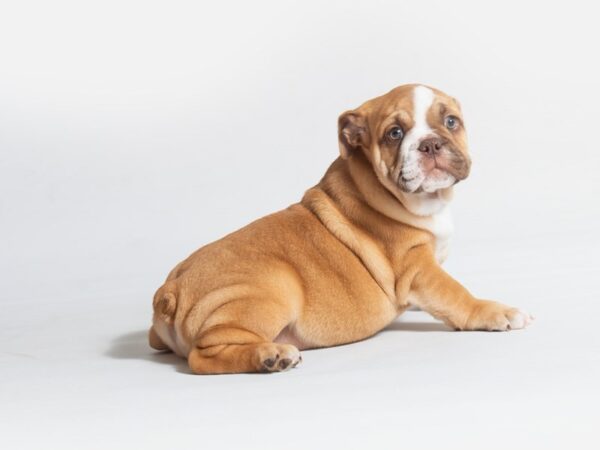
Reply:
x=285, y=363
x=270, y=362
x=279, y=357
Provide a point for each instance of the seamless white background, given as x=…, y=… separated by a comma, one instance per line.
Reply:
x=131, y=133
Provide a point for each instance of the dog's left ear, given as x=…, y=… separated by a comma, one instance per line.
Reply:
x=352, y=132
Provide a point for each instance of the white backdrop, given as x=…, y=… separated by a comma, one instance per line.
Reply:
x=132, y=132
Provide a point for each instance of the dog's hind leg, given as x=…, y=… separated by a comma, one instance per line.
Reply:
x=155, y=341
x=238, y=339
x=257, y=356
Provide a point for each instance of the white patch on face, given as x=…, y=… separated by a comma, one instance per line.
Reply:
x=411, y=169
x=412, y=173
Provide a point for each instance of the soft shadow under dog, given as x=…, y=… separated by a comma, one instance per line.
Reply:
x=417, y=326
x=134, y=345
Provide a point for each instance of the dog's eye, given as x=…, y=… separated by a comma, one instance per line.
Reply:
x=451, y=122
x=396, y=133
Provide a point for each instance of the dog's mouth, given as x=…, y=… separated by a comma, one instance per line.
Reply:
x=437, y=166
x=429, y=182
x=429, y=173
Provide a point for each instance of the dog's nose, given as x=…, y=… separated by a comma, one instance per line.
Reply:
x=431, y=146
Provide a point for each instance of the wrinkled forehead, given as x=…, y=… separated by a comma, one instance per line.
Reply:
x=410, y=105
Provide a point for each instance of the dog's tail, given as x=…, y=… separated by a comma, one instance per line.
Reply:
x=165, y=298
x=165, y=303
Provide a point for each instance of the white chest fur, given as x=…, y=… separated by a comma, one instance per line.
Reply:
x=442, y=228
x=431, y=213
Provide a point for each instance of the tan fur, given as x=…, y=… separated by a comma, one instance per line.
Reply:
x=335, y=268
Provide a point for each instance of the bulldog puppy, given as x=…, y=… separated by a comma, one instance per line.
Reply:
x=361, y=247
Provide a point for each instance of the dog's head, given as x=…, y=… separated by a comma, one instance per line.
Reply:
x=414, y=137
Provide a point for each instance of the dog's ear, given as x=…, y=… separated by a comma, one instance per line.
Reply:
x=352, y=132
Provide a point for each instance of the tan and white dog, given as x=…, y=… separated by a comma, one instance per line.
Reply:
x=361, y=247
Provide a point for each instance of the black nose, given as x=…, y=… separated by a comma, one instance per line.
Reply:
x=431, y=146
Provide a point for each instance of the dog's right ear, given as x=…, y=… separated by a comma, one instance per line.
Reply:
x=352, y=132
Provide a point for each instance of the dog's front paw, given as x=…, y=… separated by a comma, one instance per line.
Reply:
x=493, y=316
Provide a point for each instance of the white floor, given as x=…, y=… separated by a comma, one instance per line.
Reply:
x=76, y=372
x=132, y=132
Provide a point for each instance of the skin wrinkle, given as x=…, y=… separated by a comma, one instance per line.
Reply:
x=350, y=239
x=331, y=195
x=338, y=266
